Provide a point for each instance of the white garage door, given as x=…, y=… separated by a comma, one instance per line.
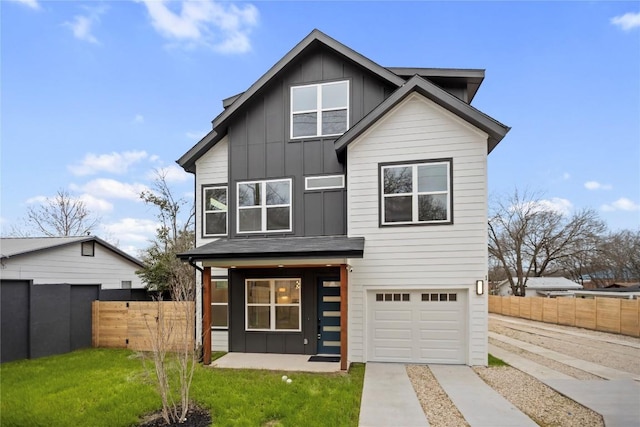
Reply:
x=417, y=326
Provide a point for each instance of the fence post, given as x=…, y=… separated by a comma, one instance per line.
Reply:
x=95, y=323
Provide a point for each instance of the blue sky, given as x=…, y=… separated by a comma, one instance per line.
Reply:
x=98, y=94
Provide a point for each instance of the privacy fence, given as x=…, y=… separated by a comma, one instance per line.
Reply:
x=135, y=325
x=615, y=315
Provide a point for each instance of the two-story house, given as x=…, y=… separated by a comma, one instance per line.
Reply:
x=342, y=209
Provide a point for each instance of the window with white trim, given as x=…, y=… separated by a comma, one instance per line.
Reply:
x=320, y=109
x=323, y=182
x=416, y=193
x=219, y=304
x=273, y=305
x=264, y=206
x=214, y=211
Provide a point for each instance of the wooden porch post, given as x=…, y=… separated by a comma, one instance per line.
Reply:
x=206, y=316
x=344, y=298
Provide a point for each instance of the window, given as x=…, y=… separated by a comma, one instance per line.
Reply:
x=273, y=305
x=214, y=207
x=320, y=109
x=393, y=297
x=125, y=284
x=417, y=193
x=264, y=206
x=440, y=297
x=88, y=248
x=323, y=182
x=219, y=304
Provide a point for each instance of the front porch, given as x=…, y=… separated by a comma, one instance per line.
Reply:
x=274, y=362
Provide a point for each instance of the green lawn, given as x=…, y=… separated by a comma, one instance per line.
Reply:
x=99, y=387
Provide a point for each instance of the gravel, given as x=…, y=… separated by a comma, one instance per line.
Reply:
x=541, y=403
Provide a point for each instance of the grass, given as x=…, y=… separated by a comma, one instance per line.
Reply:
x=494, y=361
x=99, y=387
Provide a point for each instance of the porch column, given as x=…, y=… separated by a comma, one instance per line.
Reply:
x=344, y=298
x=206, y=316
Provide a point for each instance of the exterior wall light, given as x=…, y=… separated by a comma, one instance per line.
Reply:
x=479, y=287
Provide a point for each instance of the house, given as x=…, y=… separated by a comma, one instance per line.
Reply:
x=542, y=287
x=342, y=210
x=84, y=260
x=47, y=286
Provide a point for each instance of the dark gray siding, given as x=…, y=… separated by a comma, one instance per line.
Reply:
x=276, y=342
x=14, y=321
x=260, y=147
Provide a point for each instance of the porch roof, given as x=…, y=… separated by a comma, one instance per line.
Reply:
x=316, y=247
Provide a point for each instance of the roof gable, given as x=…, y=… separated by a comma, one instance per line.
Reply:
x=14, y=247
x=492, y=127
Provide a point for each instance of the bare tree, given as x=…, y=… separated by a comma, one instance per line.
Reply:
x=174, y=357
x=59, y=216
x=528, y=238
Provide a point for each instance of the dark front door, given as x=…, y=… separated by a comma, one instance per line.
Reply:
x=328, y=316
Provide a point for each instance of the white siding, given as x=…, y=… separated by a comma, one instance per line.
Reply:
x=211, y=168
x=428, y=256
x=65, y=264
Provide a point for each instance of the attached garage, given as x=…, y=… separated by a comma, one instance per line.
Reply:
x=418, y=326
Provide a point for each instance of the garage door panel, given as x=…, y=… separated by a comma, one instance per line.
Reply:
x=419, y=329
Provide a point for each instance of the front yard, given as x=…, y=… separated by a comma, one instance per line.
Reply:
x=100, y=387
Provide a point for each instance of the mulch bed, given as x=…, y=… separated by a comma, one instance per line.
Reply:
x=196, y=417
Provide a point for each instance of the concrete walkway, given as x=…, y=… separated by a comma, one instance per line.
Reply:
x=479, y=404
x=617, y=400
x=388, y=398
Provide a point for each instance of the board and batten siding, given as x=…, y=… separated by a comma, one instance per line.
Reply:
x=212, y=168
x=65, y=264
x=427, y=256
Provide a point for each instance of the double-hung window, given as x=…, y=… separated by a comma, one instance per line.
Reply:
x=264, y=206
x=416, y=193
x=214, y=209
x=320, y=109
x=273, y=305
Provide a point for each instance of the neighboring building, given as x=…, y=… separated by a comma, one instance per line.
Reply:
x=48, y=285
x=342, y=209
x=84, y=260
x=542, y=287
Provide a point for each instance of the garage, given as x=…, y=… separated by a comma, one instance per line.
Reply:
x=419, y=326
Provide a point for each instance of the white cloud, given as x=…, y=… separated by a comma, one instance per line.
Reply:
x=171, y=173
x=33, y=4
x=82, y=25
x=95, y=204
x=117, y=163
x=136, y=230
x=555, y=204
x=196, y=135
x=139, y=118
x=112, y=189
x=628, y=21
x=622, y=204
x=595, y=185
x=223, y=27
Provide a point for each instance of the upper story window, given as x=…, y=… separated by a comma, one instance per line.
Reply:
x=320, y=109
x=323, y=182
x=264, y=206
x=214, y=211
x=416, y=193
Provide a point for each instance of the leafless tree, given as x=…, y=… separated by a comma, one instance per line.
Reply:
x=59, y=216
x=174, y=357
x=529, y=239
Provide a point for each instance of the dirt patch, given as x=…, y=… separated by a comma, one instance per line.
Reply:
x=196, y=417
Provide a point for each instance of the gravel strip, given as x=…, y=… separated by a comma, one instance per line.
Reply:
x=549, y=363
x=605, y=354
x=439, y=409
x=541, y=403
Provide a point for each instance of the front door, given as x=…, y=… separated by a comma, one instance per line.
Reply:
x=328, y=316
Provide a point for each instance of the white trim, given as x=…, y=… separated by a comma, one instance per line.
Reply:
x=415, y=193
x=272, y=305
x=307, y=179
x=263, y=206
x=205, y=211
x=318, y=110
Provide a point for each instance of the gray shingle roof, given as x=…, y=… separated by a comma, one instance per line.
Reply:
x=279, y=247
